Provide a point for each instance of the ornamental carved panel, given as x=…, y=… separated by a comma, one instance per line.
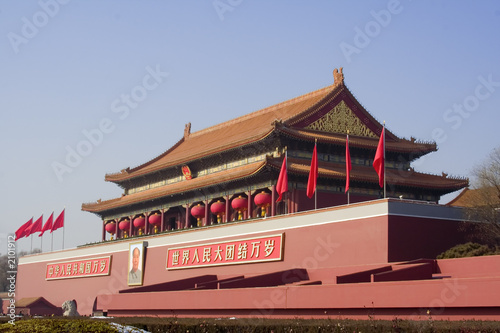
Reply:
x=339, y=120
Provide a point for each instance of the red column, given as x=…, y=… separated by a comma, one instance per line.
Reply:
x=103, y=230
x=273, y=200
x=187, y=217
x=227, y=208
x=162, y=223
x=296, y=201
x=131, y=227
x=117, y=229
x=205, y=223
x=249, y=207
x=146, y=223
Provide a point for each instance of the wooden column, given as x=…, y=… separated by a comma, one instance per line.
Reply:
x=227, y=209
x=178, y=222
x=146, y=223
x=131, y=227
x=103, y=230
x=273, y=200
x=162, y=223
x=117, y=229
x=205, y=222
x=249, y=206
x=186, y=225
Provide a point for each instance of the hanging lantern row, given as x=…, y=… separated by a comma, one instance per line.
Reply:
x=240, y=204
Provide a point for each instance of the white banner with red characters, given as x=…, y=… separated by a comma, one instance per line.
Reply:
x=78, y=268
x=242, y=251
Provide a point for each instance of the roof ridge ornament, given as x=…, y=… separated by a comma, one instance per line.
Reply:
x=187, y=130
x=338, y=76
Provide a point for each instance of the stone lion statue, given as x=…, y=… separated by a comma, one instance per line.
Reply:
x=69, y=309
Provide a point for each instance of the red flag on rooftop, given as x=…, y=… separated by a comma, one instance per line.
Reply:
x=36, y=226
x=379, y=160
x=21, y=232
x=313, y=174
x=282, y=185
x=348, y=166
x=47, y=226
x=59, y=222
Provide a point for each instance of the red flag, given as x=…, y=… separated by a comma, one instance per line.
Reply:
x=348, y=166
x=36, y=226
x=313, y=174
x=59, y=222
x=282, y=185
x=21, y=232
x=47, y=226
x=378, y=161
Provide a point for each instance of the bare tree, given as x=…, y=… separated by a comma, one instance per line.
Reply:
x=5, y=267
x=4, y=283
x=484, y=206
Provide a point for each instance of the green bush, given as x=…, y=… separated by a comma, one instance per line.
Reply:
x=57, y=326
x=468, y=250
x=255, y=325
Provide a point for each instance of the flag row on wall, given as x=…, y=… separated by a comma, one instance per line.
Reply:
x=30, y=227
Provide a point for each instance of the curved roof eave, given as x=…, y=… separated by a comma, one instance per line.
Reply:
x=136, y=172
x=176, y=188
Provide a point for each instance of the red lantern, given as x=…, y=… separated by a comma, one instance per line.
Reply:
x=218, y=208
x=155, y=220
x=139, y=222
x=198, y=211
x=263, y=200
x=124, y=225
x=240, y=204
x=111, y=228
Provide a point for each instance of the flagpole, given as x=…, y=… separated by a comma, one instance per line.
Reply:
x=316, y=189
x=385, y=194
x=286, y=168
x=64, y=218
x=349, y=189
x=41, y=239
x=31, y=238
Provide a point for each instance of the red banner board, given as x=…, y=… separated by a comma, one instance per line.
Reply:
x=78, y=268
x=243, y=251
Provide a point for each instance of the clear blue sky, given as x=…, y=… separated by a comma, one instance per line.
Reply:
x=430, y=69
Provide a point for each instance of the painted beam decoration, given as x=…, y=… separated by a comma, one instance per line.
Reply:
x=242, y=251
x=78, y=268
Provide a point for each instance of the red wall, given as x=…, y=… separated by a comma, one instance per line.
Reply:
x=328, y=245
x=323, y=249
x=413, y=238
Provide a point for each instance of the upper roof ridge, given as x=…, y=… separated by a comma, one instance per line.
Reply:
x=262, y=111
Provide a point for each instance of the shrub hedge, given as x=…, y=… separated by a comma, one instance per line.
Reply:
x=468, y=250
x=174, y=325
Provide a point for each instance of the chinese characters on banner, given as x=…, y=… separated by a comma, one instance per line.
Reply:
x=244, y=251
x=78, y=268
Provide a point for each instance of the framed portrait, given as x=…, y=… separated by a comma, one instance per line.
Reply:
x=135, y=264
